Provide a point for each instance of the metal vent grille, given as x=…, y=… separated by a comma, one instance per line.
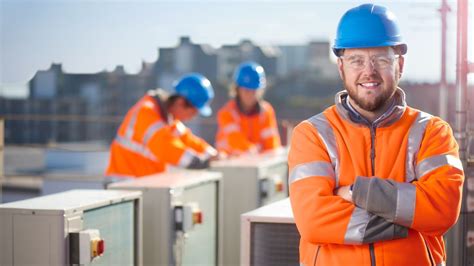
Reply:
x=274, y=244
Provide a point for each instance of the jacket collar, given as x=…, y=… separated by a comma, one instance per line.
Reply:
x=161, y=106
x=392, y=115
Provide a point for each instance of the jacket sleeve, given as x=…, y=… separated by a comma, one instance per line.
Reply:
x=322, y=217
x=269, y=133
x=194, y=142
x=431, y=203
x=229, y=136
x=168, y=147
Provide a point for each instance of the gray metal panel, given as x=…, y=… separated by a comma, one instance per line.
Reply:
x=279, y=213
x=241, y=193
x=6, y=234
x=38, y=240
x=160, y=193
x=116, y=225
x=274, y=244
x=200, y=246
x=69, y=202
x=39, y=236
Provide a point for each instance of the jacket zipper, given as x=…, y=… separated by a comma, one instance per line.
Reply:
x=316, y=256
x=372, y=158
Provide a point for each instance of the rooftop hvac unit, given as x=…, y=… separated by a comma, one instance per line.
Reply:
x=248, y=183
x=269, y=236
x=180, y=216
x=86, y=227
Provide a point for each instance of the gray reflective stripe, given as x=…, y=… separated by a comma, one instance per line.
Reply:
x=135, y=147
x=211, y=151
x=186, y=158
x=310, y=169
x=231, y=128
x=406, y=199
x=151, y=130
x=268, y=132
x=415, y=137
x=356, y=228
x=443, y=263
x=180, y=129
x=326, y=134
x=131, y=125
x=434, y=162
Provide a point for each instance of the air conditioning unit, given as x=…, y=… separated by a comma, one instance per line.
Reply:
x=180, y=216
x=248, y=183
x=84, y=227
x=269, y=236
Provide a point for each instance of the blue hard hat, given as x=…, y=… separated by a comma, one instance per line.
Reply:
x=196, y=89
x=366, y=26
x=250, y=75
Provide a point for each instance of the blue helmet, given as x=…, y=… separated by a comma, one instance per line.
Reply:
x=250, y=75
x=198, y=90
x=366, y=26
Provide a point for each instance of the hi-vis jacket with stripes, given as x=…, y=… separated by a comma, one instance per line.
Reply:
x=240, y=133
x=407, y=180
x=148, y=140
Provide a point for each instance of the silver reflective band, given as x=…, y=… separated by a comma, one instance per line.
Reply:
x=180, y=129
x=151, y=130
x=131, y=125
x=434, y=162
x=406, y=199
x=326, y=134
x=135, y=147
x=356, y=228
x=268, y=132
x=187, y=158
x=211, y=151
x=310, y=169
x=231, y=128
x=443, y=263
x=415, y=137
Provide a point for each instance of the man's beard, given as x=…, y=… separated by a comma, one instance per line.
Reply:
x=370, y=106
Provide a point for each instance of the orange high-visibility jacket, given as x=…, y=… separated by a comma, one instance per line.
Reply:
x=148, y=140
x=239, y=133
x=407, y=180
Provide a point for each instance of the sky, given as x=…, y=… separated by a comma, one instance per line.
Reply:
x=91, y=36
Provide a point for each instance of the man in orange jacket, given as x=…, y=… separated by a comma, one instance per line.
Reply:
x=247, y=123
x=372, y=180
x=152, y=135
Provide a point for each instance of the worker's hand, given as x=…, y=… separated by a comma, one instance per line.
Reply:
x=344, y=192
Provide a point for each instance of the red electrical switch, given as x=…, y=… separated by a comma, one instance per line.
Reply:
x=97, y=247
x=279, y=186
x=197, y=217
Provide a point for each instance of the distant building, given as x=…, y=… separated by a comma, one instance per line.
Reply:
x=313, y=58
x=186, y=57
x=230, y=56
